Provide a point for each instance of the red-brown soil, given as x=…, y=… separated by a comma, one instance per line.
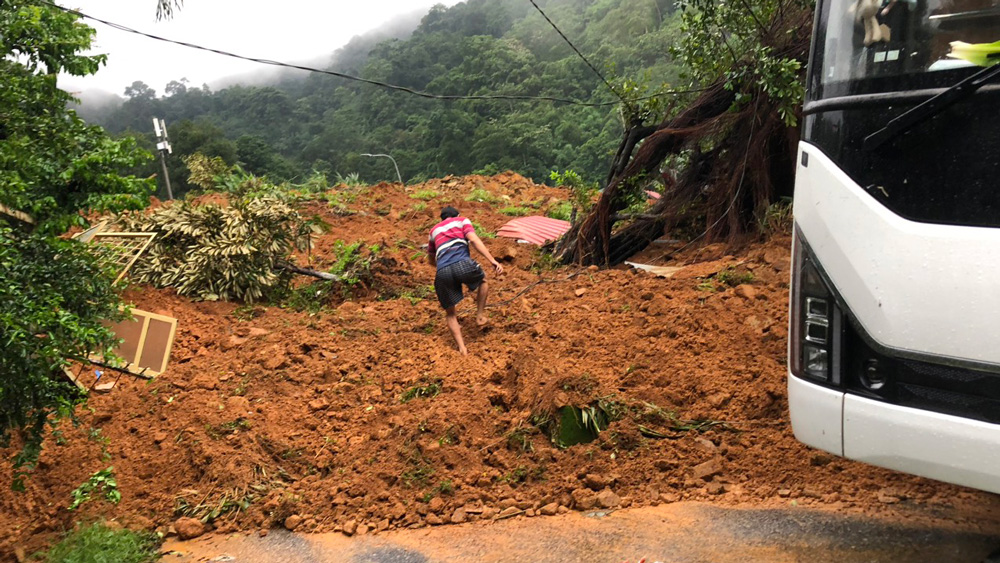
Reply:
x=301, y=414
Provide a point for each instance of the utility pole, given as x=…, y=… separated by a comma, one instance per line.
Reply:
x=163, y=145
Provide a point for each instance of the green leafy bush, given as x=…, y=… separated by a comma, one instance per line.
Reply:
x=97, y=543
x=54, y=299
x=562, y=210
x=581, y=192
x=211, y=251
x=103, y=480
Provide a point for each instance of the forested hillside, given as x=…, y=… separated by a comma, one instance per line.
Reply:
x=312, y=122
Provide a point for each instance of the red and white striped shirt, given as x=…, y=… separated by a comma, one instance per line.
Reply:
x=448, y=242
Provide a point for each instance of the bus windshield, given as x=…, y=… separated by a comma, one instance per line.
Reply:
x=872, y=46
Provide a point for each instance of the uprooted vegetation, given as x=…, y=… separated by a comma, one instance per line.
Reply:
x=335, y=412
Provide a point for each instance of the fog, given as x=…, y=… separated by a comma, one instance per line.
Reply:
x=295, y=31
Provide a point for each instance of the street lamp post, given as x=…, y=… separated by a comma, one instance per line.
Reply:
x=398, y=176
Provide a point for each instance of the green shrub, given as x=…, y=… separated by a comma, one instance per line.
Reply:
x=352, y=180
x=97, y=543
x=582, y=193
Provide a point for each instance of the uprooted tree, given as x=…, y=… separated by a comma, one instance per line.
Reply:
x=731, y=149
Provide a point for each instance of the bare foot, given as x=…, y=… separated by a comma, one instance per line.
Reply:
x=463, y=351
x=482, y=320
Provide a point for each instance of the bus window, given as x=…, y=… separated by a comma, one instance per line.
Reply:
x=911, y=37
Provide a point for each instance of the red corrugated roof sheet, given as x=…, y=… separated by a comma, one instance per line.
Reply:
x=536, y=230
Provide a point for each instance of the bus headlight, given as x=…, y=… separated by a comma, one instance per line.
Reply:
x=814, y=320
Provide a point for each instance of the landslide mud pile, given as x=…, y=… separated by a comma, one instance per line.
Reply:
x=362, y=417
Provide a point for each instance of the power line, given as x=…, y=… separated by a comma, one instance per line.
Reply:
x=378, y=83
x=577, y=51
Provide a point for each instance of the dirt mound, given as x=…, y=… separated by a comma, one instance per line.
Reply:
x=363, y=417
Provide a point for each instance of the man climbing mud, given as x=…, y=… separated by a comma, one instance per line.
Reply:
x=448, y=249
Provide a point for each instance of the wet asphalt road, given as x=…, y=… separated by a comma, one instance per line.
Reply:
x=676, y=533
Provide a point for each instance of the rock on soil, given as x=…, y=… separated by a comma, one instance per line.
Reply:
x=608, y=499
x=189, y=528
x=293, y=522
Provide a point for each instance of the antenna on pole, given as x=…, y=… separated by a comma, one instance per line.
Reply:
x=163, y=145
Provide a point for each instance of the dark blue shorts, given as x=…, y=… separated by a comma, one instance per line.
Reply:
x=448, y=281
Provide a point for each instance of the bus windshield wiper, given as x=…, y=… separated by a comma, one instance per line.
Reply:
x=931, y=107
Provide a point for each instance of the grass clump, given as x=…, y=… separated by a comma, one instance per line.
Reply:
x=98, y=543
x=733, y=277
x=417, y=475
x=425, y=195
x=427, y=391
x=515, y=211
x=482, y=196
x=482, y=232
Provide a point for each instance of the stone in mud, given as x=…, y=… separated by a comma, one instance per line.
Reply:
x=596, y=482
x=398, y=511
x=435, y=505
x=489, y=512
x=707, y=469
x=664, y=464
x=608, y=499
x=189, y=528
x=583, y=499
x=458, y=516
x=746, y=292
x=434, y=519
x=350, y=527
x=668, y=498
x=293, y=522
x=383, y=525
x=508, y=512
x=507, y=503
x=549, y=509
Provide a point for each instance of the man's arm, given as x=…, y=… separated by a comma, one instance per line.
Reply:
x=481, y=248
x=431, y=255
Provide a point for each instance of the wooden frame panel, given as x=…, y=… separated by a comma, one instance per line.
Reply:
x=144, y=356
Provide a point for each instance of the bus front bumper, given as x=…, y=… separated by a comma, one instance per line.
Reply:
x=943, y=447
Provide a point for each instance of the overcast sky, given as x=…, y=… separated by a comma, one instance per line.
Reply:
x=281, y=30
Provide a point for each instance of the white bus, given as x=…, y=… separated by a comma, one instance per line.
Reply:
x=894, y=340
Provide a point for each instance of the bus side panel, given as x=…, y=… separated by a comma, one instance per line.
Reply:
x=948, y=448
x=816, y=414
